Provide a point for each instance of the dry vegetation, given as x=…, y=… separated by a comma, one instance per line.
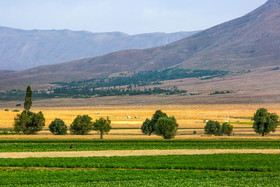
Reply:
x=190, y=118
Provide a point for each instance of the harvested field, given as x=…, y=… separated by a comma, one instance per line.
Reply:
x=110, y=153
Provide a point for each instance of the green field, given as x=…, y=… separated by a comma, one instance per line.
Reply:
x=221, y=162
x=96, y=145
x=172, y=170
x=77, y=177
x=191, y=170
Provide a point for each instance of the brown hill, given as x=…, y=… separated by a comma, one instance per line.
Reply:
x=249, y=42
x=23, y=49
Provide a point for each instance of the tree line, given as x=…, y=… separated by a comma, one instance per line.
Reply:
x=161, y=124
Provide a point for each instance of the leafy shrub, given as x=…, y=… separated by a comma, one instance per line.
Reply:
x=213, y=127
x=81, y=125
x=148, y=127
x=6, y=110
x=166, y=127
x=227, y=129
x=16, y=110
x=29, y=122
x=58, y=127
x=265, y=122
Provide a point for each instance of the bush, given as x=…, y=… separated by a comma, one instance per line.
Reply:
x=102, y=125
x=227, y=129
x=58, y=127
x=29, y=122
x=148, y=126
x=16, y=110
x=213, y=127
x=265, y=122
x=6, y=110
x=166, y=127
x=81, y=125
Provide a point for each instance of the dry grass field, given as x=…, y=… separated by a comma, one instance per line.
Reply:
x=190, y=118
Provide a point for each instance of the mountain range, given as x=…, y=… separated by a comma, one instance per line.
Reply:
x=23, y=49
x=251, y=42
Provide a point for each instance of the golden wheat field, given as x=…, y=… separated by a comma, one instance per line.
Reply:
x=190, y=117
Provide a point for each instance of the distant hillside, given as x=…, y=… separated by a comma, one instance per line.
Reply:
x=249, y=42
x=23, y=49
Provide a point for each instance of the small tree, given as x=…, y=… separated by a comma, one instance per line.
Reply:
x=265, y=122
x=166, y=127
x=227, y=129
x=213, y=127
x=102, y=125
x=58, y=127
x=81, y=125
x=29, y=123
x=28, y=99
x=148, y=126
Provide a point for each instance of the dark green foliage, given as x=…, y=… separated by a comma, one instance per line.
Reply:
x=6, y=110
x=81, y=125
x=227, y=129
x=265, y=122
x=29, y=123
x=146, y=128
x=149, y=125
x=103, y=126
x=58, y=127
x=166, y=127
x=16, y=110
x=213, y=128
x=28, y=99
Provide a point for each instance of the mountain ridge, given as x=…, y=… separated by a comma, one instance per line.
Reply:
x=23, y=49
x=246, y=43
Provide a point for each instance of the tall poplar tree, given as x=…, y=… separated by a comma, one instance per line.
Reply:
x=28, y=99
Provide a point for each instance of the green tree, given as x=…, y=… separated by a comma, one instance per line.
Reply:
x=58, y=127
x=148, y=127
x=265, y=122
x=227, y=129
x=28, y=99
x=29, y=123
x=81, y=125
x=166, y=127
x=213, y=127
x=102, y=125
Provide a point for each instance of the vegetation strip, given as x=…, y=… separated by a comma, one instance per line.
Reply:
x=135, y=178
x=98, y=145
x=110, y=153
x=223, y=162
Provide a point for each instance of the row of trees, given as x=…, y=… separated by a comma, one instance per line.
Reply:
x=28, y=122
x=264, y=123
x=160, y=124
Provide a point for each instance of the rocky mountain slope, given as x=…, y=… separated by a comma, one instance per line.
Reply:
x=23, y=49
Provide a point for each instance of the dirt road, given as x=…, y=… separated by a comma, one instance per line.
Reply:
x=110, y=153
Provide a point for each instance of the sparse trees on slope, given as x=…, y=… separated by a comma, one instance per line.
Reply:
x=265, y=122
x=81, y=125
x=102, y=125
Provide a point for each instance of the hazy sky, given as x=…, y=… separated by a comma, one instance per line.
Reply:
x=129, y=16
